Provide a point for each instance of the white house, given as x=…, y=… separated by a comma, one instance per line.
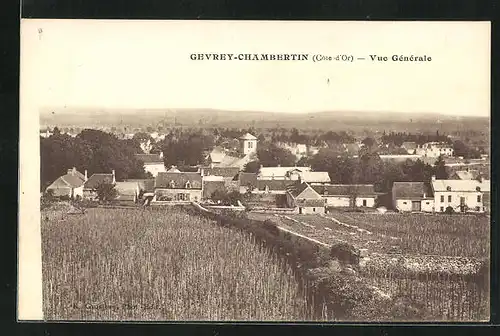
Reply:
x=460, y=195
x=248, y=144
x=435, y=149
x=305, y=199
x=412, y=197
x=343, y=195
x=69, y=185
x=153, y=163
x=178, y=186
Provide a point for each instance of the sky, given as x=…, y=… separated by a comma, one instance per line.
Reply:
x=141, y=64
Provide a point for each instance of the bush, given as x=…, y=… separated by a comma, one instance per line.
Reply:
x=345, y=253
x=449, y=210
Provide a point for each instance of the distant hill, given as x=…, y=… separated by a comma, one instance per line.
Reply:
x=327, y=120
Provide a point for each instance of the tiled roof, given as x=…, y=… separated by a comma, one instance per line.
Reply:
x=274, y=184
x=345, y=189
x=411, y=190
x=247, y=178
x=164, y=179
x=303, y=191
x=97, y=179
x=221, y=171
x=409, y=145
x=467, y=175
x=280, y=171
x=460, y=185
x=144, y=184
x=127, y=188
x=73, y=181
x=248, y=136
x=315, y=177
x=149, y=158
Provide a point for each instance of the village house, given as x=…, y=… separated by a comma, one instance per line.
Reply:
x=305, y=199
x=69, y=185
x=434, y=150
x=248, y=143
x=127, y=192
x=153, y=163
x=412, y=197
x=178, y=186
x=280, y=173
x=410, y=147
x=460, y=195
x=299, y=150
x=347, y=195
x=219, y=157
x=229, y=175
x=90, y=186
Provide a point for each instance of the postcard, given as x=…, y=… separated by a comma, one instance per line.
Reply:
x=279, y=171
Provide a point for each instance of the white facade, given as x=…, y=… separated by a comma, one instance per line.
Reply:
x=249, y=146
x=345, y=201
x=154, y=168
x=433, y=149
x=472, y=200
x=409, y=205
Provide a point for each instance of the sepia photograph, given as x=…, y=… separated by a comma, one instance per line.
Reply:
x=254, y=171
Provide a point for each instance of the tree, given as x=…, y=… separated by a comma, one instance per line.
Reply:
x=440, y=169
x=252, y=167
x=272, y=155
x=106, y=192
x=226, y=198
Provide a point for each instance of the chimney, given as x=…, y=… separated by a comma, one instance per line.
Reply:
x=433, y=178
x=202, y=172
x=73, y=171
x=114, y=177
x=86, y=178
x=161, y=154
x=70, y=172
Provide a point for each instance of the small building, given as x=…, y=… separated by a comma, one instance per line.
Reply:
x=229, y=175
x=153, y=163
x=347, y=195
x=409, y=146
x=460, y=195
x=281, y=173
x=435, y=150
x=412, y=197
x=178, y=186
x=127, y=192
x=313, y=177
x=467, y=174
x=69, y=185
x=90, y=186
x=273, y=186
x=305, y=199
x=248, y=144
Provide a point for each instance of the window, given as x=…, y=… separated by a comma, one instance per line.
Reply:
x=478, y=188
x=364, y=203
x=314, y=209
x=188, y=185
x=404, y=202
x=442, y=198
x=442, y=209
x=449, y=198
x=478, y=209
x=172, y=184
x=426, y=202
x=478, y=198
x=448, y=188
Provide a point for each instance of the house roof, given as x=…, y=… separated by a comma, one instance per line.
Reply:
x=310, y=176
x=409, y=145
x=180, y=179
x=345, y=189
x=221, y=171
x=149, y=158
x=467, y=174
x=274, y=184
x=144, y=184
x=247, y=178
x=173, y=170
x=127, y=188
x=320, y=202
x=97, y=179
x=210, y=186
x=460, y=185
x=280, y=171
x=303, y=191
x=248, y=136
x=411, y=190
